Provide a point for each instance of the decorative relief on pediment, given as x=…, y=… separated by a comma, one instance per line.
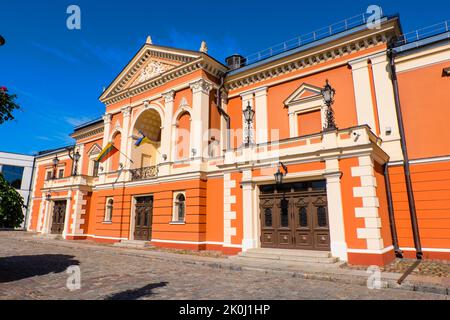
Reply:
x=153, y=69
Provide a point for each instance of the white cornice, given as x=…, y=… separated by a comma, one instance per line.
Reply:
x=304, y=60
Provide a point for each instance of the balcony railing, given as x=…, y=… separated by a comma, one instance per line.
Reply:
x=143, y=173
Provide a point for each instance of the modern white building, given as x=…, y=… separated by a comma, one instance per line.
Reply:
x=18, y=171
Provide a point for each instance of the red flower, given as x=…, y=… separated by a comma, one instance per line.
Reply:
x=4, y=89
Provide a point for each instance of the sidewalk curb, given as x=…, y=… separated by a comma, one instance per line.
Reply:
x=226, y=264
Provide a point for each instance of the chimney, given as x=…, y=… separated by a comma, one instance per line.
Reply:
x=235, y=61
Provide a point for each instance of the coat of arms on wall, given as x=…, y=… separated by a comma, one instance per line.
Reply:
x=153, y=69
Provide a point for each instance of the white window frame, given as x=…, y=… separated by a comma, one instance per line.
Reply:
x=105, y=217
x=175, y=217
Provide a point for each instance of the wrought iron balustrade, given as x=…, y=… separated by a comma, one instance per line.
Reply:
x=144, y=173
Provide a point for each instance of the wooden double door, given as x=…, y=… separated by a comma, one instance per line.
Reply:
x=58, y=218
x=295, y=219
x=143, y=218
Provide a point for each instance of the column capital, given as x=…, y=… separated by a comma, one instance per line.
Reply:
x=107, y=117
x=168, y=96
x=202, y=86
x=359, y=63
x=126, y=111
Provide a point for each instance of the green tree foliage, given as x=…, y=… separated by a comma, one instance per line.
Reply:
x=7, y=105
x=11, y=205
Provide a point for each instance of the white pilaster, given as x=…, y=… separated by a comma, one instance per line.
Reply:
x=363, y=93
x=250, y=212
x=200, y=117
x=335, y=211
x=125, y=138
x=261, y=115
x=386, y=106
x=166, y=134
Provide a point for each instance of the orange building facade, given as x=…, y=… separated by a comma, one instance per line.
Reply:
x=206, y=181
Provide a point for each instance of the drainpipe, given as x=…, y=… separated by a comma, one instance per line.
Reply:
x=409, y=189
x=28, y=212
x=221, y=111
x=398, y=252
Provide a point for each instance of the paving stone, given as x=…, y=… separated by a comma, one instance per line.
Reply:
x=38, y=271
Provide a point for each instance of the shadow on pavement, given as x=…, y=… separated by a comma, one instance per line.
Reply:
x=134, y=294
x=21, y=267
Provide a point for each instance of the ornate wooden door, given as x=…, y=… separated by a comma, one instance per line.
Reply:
x=143, y=218
x=58, y=218
x=295, y=219
x=311, y=222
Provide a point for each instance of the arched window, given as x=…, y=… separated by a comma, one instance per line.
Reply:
x=182, y=143
x=179, y=208
x=109, y=209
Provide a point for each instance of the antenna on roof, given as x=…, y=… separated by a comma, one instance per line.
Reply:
x=149, y=40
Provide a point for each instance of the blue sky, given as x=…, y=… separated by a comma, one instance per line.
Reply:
x=59, y=74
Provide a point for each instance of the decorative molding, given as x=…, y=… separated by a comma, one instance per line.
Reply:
x=168, y=96
x=308, y=60
x=88, y=132
x=126, y=111
x=153, y=69
x=107, y=117
x=304, y=93
x=201, y=85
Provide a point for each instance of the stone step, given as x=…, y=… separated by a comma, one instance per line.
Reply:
x=132, y=244
x=48, y=236
x=288, y=255
x=291, y=252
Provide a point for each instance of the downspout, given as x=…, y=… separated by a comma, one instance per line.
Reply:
x=27, y=215
x=221, y=111
x=409, y=189
x=398, y=252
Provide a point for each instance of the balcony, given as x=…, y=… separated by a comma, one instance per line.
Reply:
x=143, y=173
x=61, y=183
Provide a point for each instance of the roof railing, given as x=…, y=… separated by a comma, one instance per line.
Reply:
x=423, y=33
x=302, y=40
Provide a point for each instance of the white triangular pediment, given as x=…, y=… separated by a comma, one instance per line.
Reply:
x=150, y=62
x=95, y=149
x=303, y=93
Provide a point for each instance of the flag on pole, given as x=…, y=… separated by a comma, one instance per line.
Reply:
x=143, y=139
x=107, y=151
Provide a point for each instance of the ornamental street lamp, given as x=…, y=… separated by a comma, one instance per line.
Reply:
x=279, y=175
x=55, y=164
x=328, y=97
x=76, y=158
x=248, y=116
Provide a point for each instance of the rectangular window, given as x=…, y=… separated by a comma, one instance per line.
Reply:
x=13, y=175
x=95, y=169
x=48, y=174
x=60, y=173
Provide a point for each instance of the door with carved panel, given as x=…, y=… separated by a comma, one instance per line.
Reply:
x=295, y=217
x=58, y=218
x=143, y=218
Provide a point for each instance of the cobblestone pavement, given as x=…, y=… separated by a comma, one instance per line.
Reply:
x=35, y=269
x=425, y=268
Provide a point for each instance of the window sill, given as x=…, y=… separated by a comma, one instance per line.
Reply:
x=177, y=222
x=107, y=222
